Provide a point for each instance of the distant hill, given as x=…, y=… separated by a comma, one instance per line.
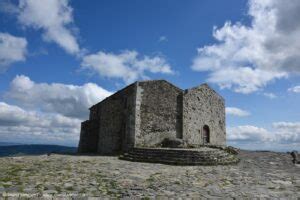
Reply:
x=34, y=149
x=9, y=144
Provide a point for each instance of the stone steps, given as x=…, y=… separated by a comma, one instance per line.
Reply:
x=180, y=156
x=180, y=159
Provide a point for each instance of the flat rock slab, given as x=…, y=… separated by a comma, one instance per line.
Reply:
x=258, y=175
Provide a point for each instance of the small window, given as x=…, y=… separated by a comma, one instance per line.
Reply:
x=206, y=134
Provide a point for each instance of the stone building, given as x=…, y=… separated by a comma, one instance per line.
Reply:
x=144, y=113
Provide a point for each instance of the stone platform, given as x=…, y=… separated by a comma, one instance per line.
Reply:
x=259, y=175
x=181, y=156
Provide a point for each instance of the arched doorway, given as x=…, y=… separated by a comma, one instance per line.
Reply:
x=206, y=134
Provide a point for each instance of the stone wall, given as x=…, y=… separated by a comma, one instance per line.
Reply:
x=88, y=142
x=158, y=112
x=116, y=121
x=144, y=113
x=203, y=106
x=110, y=128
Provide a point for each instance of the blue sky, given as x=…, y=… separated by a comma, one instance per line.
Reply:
x=59, y=57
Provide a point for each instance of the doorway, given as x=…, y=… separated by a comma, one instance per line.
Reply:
x=206, y=134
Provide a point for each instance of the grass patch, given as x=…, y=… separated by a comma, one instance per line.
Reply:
x=39, y=187
x=177, y=182
x=14, y=170
x=21, y=189
x=12, y=175
x=86, y=161
x=57, y=188
x=108, y=186
x=70, y=188
x=6, y=179
x=82, y=191
x=151, y=180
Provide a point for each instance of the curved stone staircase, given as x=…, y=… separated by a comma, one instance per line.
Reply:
x=180, y=156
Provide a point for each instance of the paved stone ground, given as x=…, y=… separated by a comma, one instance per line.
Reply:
x=260, y=174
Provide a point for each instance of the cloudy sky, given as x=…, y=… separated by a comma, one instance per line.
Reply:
x=58, y=57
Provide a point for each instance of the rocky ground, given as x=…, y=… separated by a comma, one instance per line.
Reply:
x=259, y=174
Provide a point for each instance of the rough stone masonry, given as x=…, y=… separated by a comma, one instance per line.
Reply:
x=145, y=113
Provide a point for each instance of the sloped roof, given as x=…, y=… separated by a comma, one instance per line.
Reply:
x=205, y=85
x=159, y=80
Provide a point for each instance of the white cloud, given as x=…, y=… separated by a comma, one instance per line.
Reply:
x=249, y=133
x=46, y=113
x=236, y=112
x=295, y=89
x=288, y=132
x=247, y=58
x=19, y=125
x=54, y=18
x=127, y=65
x=68, y=100
x=13, y=115
x=282, y=136
x=12, y=49
x=163, y=39
x=270, y=95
